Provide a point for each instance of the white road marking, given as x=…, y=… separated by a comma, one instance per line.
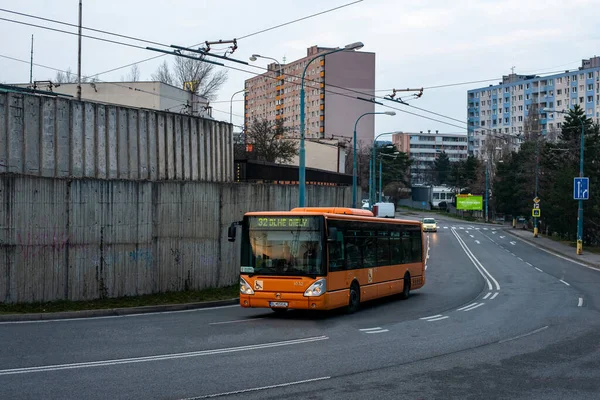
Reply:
x=369, y=329
x=161, y=357
x=432, y=316
x=478, y=242
x=513, y=243
x=39, y=321
x=437, y=319
x=566, y=283
x=524, y=335
x=493, y=233
x=484, y=272
x=507, y=250
x=461, y=227
x=380, y=331
x=474, y=307
x=513, y=254
x=520, y=258
x=445, y=227
x=236, y=321
x=209, y=396
x=472, y=236
x=477, y=229
x=470, y=305
x=485, y=229
x=559, y=256
x=539, y=269
x=494, y=296
x=453, y=227
x=487, y=295
x=528, y=264
x=502, y=237
x=580, y=302
x=493, y=229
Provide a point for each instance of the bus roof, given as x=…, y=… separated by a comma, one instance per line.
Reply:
x=364, y=215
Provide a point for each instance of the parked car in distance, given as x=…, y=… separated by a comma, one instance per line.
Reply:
x=384, y=210
x=429, y=225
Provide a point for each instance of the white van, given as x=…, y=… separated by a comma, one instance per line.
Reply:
x=384, y=210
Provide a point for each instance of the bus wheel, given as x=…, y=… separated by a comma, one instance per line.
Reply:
x=278, y=310
x=406, y=290
x=354, y=301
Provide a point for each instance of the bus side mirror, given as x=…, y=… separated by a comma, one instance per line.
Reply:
x=332, y=235
x=231, y=232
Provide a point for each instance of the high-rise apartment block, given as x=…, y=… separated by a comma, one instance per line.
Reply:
x=331, y=85
x=500, y=112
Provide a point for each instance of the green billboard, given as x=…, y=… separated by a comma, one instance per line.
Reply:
x=469, y=203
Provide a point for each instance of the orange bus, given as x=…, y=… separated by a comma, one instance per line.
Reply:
x=325, y=258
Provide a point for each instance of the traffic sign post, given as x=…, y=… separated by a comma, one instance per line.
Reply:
x=581, y=188
x=536, y=212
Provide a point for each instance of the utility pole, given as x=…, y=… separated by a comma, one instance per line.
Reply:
x=537, y=169
x=31, y=63
x=487, y=191
x=79, y=57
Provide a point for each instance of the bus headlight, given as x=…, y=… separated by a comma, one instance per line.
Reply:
x=245, y=288
x=316, y=289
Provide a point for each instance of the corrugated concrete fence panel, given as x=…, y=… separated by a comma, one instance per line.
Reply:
x=15, y=138
x=112, y=142
x=170, y=146
x=186, y=149
x=167, y=214
x=134, y=137
x=48, y=137
x=152, y=145
x=202, y=126
x=195, y=150
x=31, y=124
x=179, y=151
x=3, y=135
x=101, y=143
x=33, y=257
x=89, y=140
x=144, y=172
x=77, y=140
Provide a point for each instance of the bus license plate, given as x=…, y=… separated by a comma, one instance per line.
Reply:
x=278, y=304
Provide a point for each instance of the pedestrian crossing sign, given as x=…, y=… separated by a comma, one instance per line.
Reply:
x=536, y=212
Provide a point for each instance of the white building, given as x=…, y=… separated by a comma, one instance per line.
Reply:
x=424, y=147
x=151, y=95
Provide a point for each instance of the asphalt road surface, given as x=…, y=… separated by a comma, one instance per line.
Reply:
x=498, y=318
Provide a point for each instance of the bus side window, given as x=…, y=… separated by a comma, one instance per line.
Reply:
x=417, y=251
x=369, y=246
x=396, y=248
x=406, y=247
x=353, y=251
x=336, y=253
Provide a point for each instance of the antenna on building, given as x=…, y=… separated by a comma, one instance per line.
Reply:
x=284, y=59
x=512, y=69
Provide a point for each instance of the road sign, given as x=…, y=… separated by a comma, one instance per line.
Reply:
x=536, y=212
x=536, y=200
x=536, y=205
x=581, y=188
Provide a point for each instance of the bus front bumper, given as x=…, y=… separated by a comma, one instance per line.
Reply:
x=295, y=301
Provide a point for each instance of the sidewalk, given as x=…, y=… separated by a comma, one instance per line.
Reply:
x=113, y=312
x=564, y=250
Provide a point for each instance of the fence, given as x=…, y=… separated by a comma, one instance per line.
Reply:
x=82, y=239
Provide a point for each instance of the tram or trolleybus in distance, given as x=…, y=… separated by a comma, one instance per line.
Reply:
x=325, y=258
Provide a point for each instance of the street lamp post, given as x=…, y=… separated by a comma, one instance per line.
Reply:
x=580, y=201
x=354, y=177
x=302, y=151
x=372, y=168
x=394, y=156
x=231, y=105
x=537, y=169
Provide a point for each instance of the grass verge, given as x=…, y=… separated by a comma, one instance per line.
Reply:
x=225, y=293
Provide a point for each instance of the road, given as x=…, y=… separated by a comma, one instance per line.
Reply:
x=498, y=318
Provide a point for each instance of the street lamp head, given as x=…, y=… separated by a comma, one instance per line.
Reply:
x=392, y=113
x=354, y=46
x=253, y=58
x=546, y=109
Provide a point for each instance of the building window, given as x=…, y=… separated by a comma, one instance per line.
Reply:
x=520, y=108
x=590, y=99
x=574, y=89
x=581, y=100
x=520, y=97
x=482, y=123
x=590, y=75
x=528, y=86
x=559, y=91
x=591, y=86
x=560, y=80
x=520, y=118
x=573, y=101
x=590, y=111
x=574, y=78
x=527, y=97
x=558, y=102
x=506, y=120
x=520, y=87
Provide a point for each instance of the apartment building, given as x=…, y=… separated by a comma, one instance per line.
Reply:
x=331, y=104
x=499, y=113
x=424, y=147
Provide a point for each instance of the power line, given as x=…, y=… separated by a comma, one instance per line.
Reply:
x=83, y=27
x=73, y=33
x=243, y=37
x=299, y=19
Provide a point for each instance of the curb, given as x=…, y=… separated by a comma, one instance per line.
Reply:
x=115, y=312
x=589, y=264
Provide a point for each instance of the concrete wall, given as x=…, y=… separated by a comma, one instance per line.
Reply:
x=325, y=155
x=57, y=137
x=82, y=239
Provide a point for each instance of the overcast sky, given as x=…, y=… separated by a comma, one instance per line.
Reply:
x=417, y=43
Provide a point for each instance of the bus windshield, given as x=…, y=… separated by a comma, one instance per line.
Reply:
x=289, y=246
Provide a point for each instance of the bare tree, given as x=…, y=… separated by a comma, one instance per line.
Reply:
x=163, y=74
x=196, y=75
x=268, y=141
x=65, y=77
x=134, y=73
